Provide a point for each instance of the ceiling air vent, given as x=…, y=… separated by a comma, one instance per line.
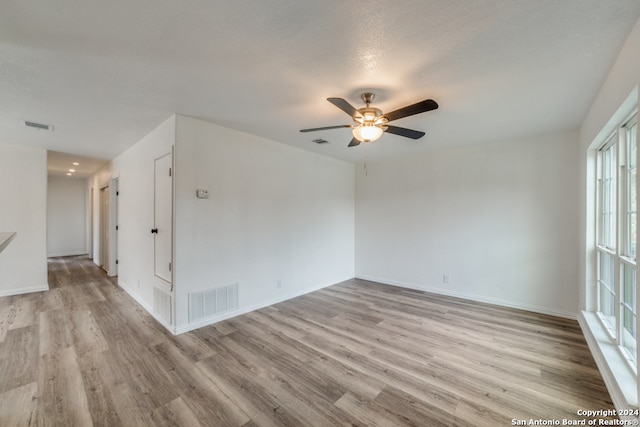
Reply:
x=36, y=125
x=320, y=141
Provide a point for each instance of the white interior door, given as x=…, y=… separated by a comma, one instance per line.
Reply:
x=163, y=217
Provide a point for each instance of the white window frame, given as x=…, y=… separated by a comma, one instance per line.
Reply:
x=618, y=245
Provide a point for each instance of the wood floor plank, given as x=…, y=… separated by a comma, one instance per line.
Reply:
x=143, y=372
x=176, y=414
x=22, y=313
x=62, y=398
x=369, y=413
x=54, y=331
x=395, y=400
x=339, y=373
x=49, y=300
x=18, y=406
x=284, y=329
x=201, y=395
x=239, y=385
x=19, y=358
x=5, y=313
x=251, y=327
x=480, y=415
x=76, y=297
x=99, y=381
x=193, y=346
x=356, y=353
x=133, y=408
x=225, y=328
x=389, y=374
x=310, y=396
x=85, y=333
x=304, y=402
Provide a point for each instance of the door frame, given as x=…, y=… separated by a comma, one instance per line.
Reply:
x=172, y=222
x=91, y=222
x=114, y=191
x=103, y=228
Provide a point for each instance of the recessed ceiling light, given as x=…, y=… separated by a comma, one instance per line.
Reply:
x=69, y=174
x=76, y=164
x=72, y=170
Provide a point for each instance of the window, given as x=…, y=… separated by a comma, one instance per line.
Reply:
x=628, y=308
x=608, y=195
x=616, y=235
x=607, y=293
x=632, y=140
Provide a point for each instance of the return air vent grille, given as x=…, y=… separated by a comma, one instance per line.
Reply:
x=211, y=302
x=320, y=141
x=36, y=125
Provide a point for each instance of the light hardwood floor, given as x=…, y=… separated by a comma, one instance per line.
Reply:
x=357, y=353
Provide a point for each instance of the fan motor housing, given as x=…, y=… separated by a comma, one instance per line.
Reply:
x=368, y=115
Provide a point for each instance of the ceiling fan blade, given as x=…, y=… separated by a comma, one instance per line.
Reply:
x=353, y=143
x=410, y=110
x=344, y=106
x=409, y=133
x=325, y=128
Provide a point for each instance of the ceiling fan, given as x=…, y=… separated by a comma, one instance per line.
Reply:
x=369, y=123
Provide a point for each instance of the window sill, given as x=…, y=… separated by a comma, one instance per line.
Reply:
x=628, y=260
x=619, y=377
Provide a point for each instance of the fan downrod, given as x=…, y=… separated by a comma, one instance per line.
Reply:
x=367, y=97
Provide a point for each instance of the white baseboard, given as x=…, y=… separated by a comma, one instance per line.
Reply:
x=472, y=297
x=177, y=330
x=72, y=253
x=20, y=291
x=243, y=310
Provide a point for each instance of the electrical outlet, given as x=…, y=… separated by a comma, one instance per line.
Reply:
x=279, y=284
x=445, y=278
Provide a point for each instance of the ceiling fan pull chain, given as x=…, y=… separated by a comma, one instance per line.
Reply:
x=366, y=159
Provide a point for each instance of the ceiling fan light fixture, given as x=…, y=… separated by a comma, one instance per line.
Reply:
x=367, y=132
x=369, y=123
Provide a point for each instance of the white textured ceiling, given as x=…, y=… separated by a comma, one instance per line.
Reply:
x=105, y=73
x=63, y=164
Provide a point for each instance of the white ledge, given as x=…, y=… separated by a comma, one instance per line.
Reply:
x=618, y=376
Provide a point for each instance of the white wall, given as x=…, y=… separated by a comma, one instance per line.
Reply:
x=23, y=201
x=66, y=216
x=134, y=170
x=499, y=220
x=275, y=213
